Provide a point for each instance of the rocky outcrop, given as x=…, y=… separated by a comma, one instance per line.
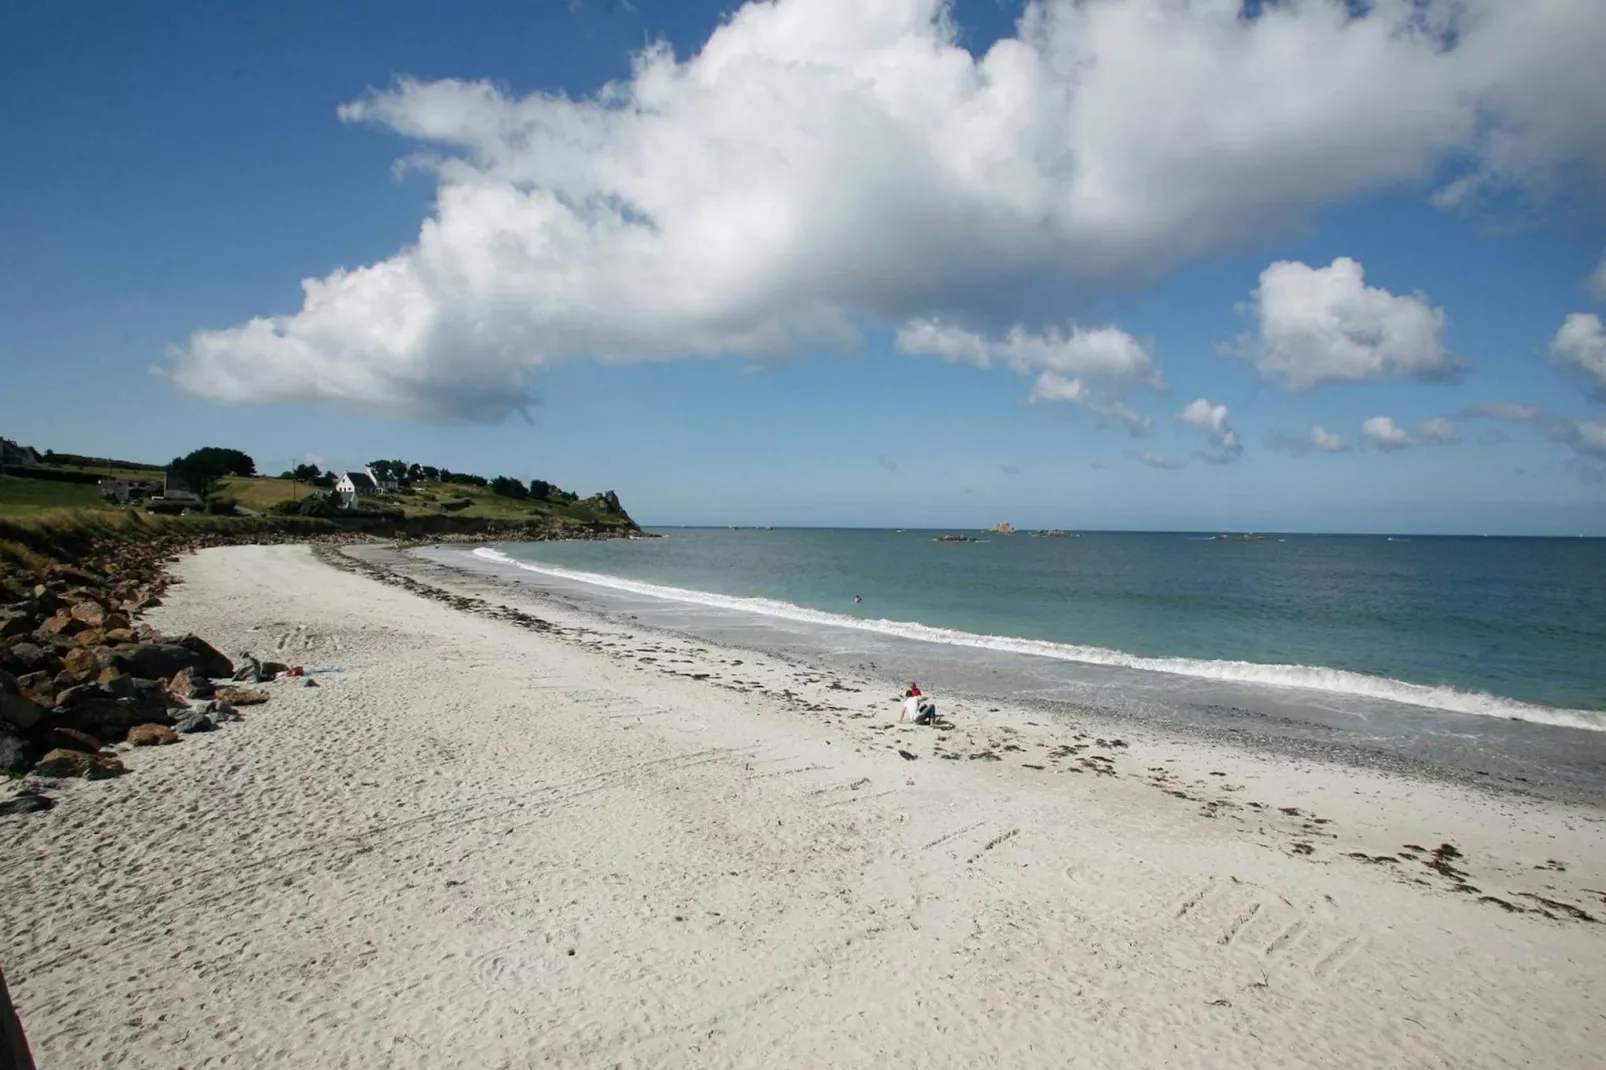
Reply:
x=78, y=675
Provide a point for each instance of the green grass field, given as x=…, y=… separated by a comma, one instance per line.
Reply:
x=20, y=497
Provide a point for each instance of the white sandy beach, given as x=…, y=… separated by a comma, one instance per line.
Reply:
x=482, y=845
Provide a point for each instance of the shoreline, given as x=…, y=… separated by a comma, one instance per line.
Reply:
x=522, y=835
x=1353, y=754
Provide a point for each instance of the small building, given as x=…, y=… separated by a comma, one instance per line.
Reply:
x=14, y=455
x=353, y=485
x=175, y=489
x=124, y=491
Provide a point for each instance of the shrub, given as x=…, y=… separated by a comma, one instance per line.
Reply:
x=218, y=505
x=452, y=505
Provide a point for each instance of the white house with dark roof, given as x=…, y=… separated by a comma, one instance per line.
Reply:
x=353, y=485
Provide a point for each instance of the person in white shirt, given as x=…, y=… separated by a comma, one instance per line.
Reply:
x=917, y=707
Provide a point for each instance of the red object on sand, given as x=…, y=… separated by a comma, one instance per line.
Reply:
x=294, y=670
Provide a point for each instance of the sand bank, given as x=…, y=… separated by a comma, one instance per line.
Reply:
x=486, y=843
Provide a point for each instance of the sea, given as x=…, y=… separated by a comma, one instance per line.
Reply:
x=1486, y=656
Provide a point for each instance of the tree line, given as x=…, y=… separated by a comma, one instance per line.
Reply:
x=407, y=474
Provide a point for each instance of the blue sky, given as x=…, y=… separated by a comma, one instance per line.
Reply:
x=697, y=297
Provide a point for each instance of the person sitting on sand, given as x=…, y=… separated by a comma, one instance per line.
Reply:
x=917, y=707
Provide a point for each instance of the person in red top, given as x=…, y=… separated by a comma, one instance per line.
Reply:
x=917, y=707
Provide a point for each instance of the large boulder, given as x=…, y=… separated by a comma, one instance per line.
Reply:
x=155, y=661
x=91, y=612
x=63, y=623
x=108, y=718
x=19, y=712
x=47, y=600
x=241, y=696
x=152, y=735
x=195, y=722
x=15, y=622
x=190, y=684
x=26, y=657
x=211, y=662
x=81, y=662
x=61, y=764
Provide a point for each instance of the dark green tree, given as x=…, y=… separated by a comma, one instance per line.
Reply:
x=508, y=487
x=205, y=468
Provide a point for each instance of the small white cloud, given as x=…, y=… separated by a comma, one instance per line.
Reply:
x=1091, y=367
x=1318, y=438
x=1325, y=325
x=1439, y=431
x=1381, y=432
x=1100, y=352
x=1580, y=346
x=313, y=458
x=1155, y=460
x=931, y=338
x=1596, y=283
x=1212, y=420
x=1326, y=441
x=1052, y=386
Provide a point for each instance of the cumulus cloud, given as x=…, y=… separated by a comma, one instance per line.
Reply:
x=818, y=168
x=1596, y=283
x=1212, y=420
x=1052, y=386
x=1326, y=441
x=1580, y=346
x=1381, y=432
x=1438, y=430
x=1156, y=460
x=1090, y=367
x=1100, y=352
x=1587, y=438
x=1325, y=325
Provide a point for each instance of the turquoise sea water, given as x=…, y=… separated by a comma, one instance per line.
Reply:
x=1512, y=628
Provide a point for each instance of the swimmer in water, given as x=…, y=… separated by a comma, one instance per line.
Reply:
x=856, y=598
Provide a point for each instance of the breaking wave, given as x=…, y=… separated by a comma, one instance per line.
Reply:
x=1310, y=677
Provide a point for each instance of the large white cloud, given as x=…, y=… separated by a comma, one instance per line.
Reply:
x=1320, y=325
x=1580, y=345
x=820, y=167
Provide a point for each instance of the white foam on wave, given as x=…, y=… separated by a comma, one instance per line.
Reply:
x=1310, y=677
